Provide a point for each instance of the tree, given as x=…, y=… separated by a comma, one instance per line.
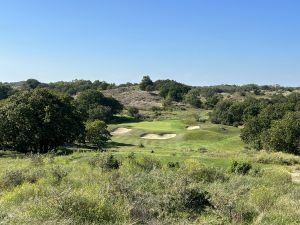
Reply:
x=192, y=98
x=38, y=121
x=146, y=84
x=133, y=111
x=94, y=105
x=212, y=100
x=31, y=84
x=97, y=133
x=284, y=135
x=171, y=89
x=5, y=91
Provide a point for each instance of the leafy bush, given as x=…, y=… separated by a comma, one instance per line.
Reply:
x=97, y=133
x=148, y=163
x=106, y=162
x=173, y=164
x=242, y=168
x=195, y=200
x=146, y=84
x=13, y=178
x=58, y=173
x=208, y=174
x=133, y=112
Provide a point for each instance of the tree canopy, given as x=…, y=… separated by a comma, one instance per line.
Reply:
x=38, y=121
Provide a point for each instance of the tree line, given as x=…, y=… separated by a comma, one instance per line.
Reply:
x=272, y=124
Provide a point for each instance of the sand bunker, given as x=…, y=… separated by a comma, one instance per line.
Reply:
x=120, y=130
x=193, y=127
x=295, y=177
x=158, y=136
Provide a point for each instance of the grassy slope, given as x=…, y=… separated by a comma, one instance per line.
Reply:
x=211, y=143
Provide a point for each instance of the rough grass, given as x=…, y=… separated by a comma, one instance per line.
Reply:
x=143, y=190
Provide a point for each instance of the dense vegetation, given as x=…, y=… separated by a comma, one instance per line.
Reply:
x=39, y=119
x=271, y=124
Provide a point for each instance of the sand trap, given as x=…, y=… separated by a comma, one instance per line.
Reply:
x=120, y=130
x=193, y=127
x=158, y=136
x=295, y=177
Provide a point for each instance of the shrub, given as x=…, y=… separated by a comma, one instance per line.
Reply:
x=97, y=133
x=242, y=168
x=195, y=200
x=208, y=174
x=187, y=199
x=58, y=174
x=133, y=112
x=173, y=164
x=13, y=178
x=106, y=162
x=148, y=164
x=141, y=145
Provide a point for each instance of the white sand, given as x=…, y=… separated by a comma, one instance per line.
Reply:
x=193, y=127
x=120, y=130
x=158, y=136
x=295, y=177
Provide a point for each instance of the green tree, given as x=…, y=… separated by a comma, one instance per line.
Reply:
x=31, y=84
x=97, y=133
x=133, y=112
x=38, y=121
x=94, y=105
x=5, y=91
x=284, y=134
x=192, y=98
x=146, y=84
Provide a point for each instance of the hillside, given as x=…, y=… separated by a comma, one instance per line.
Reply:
x=132, y=96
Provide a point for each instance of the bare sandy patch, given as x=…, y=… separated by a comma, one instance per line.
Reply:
x=158, y=136
x=120, y=130
x=295, y=177
x=193, y=127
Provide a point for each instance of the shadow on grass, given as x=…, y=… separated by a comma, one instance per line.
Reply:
x=114, y=144
x=124, y=119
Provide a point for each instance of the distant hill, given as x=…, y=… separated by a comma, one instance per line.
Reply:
x=132, y=96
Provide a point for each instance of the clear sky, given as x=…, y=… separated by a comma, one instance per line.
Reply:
x=199, y=42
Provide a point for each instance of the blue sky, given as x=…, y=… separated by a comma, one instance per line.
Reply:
x=199, y=42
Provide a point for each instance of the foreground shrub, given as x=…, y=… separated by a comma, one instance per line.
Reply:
x=58, y=173
x=242, y=168
x=106, y=162
x=13, y=178
x=148, y=163
x=195, y=200
x=208, y=174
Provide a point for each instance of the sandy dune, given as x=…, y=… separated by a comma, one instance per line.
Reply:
x=158, y=136
x=120, y=130
x=193, y=127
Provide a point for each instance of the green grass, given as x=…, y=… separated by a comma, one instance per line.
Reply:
x=187, y=144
